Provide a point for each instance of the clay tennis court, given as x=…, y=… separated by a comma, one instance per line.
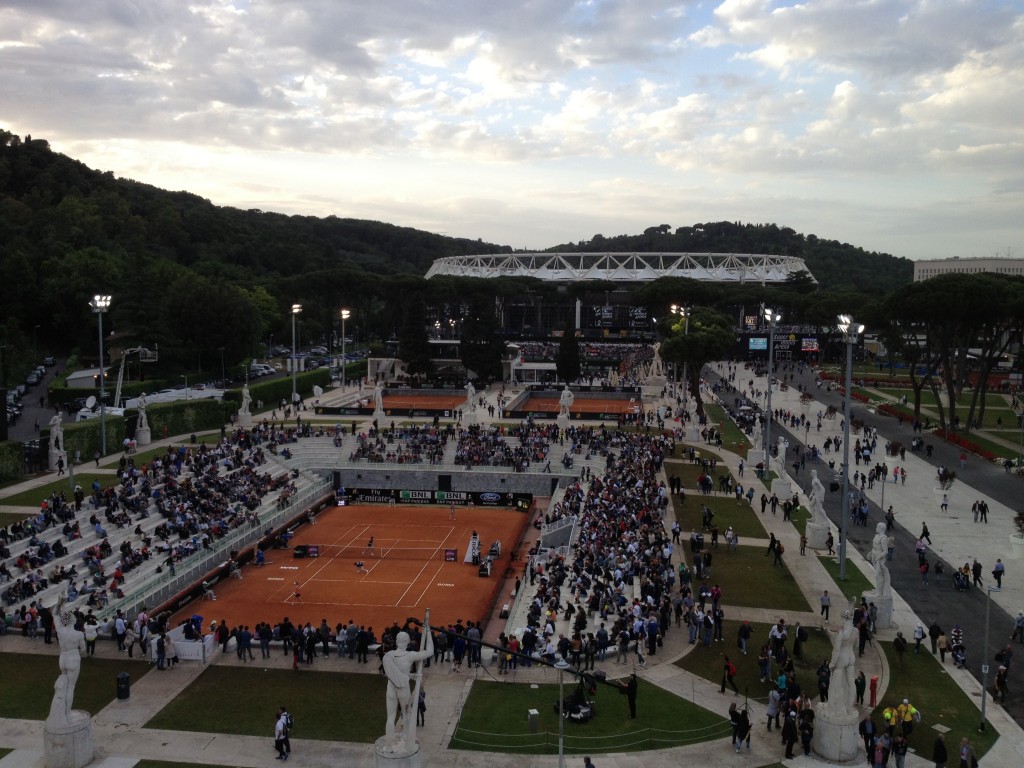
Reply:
x=581, y=405
x=409, y=400
x=405, y=573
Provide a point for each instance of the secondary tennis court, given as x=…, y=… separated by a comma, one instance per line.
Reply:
x=403, y=572
x=585, y=406
x=406, y=400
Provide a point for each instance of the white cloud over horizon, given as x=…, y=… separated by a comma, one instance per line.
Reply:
x=895, y=125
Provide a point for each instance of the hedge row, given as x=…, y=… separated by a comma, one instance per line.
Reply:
x=12, y=462
x=272, y=392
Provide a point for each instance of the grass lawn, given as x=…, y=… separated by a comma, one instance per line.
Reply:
x=998, y=449
x=494, y=719
x=856, y=582
x=29, y=677
x=33, y=496
x=313, y=699
x=732, y=438
x=799, y=519
x=707, y=662
x=727, y=512
x=749, y=579
x=924, y=681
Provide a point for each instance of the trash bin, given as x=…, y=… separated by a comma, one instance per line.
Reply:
x=124, y=686
x=193, y=438
x=531, y=719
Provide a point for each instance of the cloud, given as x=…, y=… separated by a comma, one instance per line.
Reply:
x=828, y=98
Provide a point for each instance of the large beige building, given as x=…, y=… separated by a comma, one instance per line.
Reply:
x=932, y=267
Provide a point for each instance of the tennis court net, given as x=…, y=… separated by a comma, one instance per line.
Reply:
x=379, y=551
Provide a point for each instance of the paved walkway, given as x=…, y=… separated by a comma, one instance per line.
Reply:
x=120, y=739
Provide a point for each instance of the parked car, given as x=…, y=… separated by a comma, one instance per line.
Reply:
x=318, y=350
x=49, y=361
x=280, y=349
x=32, y=379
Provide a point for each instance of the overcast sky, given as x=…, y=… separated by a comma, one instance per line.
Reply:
x=895, y=125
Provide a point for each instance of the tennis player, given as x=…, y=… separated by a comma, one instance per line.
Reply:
x=361, y=567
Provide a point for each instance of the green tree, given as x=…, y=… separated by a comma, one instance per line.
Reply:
x=710, y=337
x=481, y=346
x=567, y=364
x=413, y=341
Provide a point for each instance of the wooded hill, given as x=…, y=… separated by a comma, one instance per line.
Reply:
x=194, y=277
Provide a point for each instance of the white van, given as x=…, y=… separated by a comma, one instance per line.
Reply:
x=260, y=369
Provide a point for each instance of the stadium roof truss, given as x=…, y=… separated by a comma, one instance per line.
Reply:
x=624, y=267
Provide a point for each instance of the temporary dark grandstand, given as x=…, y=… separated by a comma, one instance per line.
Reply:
x=625, y=267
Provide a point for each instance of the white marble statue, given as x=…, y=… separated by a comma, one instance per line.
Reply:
x=879, y=549
x=565, y=401
x=141, y=405
x=841, y=690
x=72, y=644
x=399, y=668
x=378, y=398
x=56, y=433
x=816, y=498
x=246, y=401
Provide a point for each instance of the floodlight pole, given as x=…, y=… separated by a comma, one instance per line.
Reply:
x=684, y=312
x=850, y=332
x=100, y=304
x=345, y=314
x=561, y=665
x=296, y=309
x=772, y=317
x=984, y=658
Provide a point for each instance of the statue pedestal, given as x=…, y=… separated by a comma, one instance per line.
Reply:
x=143, y=436
x=379, y=416
x=782, y=488
x=387, y=753
x=884, y=606
x=243, y=420
x=817, y=535
x=54, y=455
x=469, y=417
x=835, y=734
x=562, y=421
x=693, y=434
x=68, y=745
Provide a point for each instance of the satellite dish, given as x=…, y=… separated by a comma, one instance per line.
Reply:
x=90, y=403
x=317, y=390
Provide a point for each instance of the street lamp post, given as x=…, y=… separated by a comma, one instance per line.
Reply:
x=773, y=318
x=100, y=304
x=35, y=348
x=223, y=375
x=345, y=315
x=984, y=657
x=851, y=331
x=296, y=310
x=185, y=377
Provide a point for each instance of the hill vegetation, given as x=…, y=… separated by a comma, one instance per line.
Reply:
x=203, y=281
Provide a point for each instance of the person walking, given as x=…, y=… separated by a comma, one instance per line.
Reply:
x=968, y=757
x=280, y=728
x=728, y=675
x=939, y=753
x=998, y=571
x=790, y=734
